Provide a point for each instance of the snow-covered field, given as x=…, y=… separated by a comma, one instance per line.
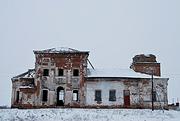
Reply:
x=88, y=115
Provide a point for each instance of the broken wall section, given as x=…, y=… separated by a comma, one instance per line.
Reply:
x=146, y=64
x=23, y=92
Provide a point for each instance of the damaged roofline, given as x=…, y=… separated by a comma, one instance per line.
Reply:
x=20, y=75
x=61, y=52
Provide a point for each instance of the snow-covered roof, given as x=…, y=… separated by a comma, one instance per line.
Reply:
x=115, y=72
x=29, y=74
x=60, y=50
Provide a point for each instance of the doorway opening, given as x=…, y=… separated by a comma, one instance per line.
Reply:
x=60, y=96
x=126, y=98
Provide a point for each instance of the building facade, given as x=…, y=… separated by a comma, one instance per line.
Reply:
x=61, y=78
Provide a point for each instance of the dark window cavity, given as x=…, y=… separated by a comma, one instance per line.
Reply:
x=76, y=72
x=75, y=95
x=45, y=96
x=98, y=95
x=60, y=72
x=46, y=72
x=17, y=96
x=112, y=95
x=154, y=96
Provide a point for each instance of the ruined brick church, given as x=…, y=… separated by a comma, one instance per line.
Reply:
x=61, y=78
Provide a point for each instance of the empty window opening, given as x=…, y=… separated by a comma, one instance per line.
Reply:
x=75, y=95
x=46, y=72
x=126, y=93
x=112, y=95
x=45, y=96
x=98, y=95
x=76, y=72
x=17, y=96
x=61, y=95
x=60, y=72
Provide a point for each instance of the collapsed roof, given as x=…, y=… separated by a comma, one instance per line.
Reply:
x=28, y=74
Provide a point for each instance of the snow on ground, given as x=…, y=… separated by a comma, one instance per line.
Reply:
x=88, y=115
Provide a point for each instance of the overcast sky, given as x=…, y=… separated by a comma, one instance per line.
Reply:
x=112, y=30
